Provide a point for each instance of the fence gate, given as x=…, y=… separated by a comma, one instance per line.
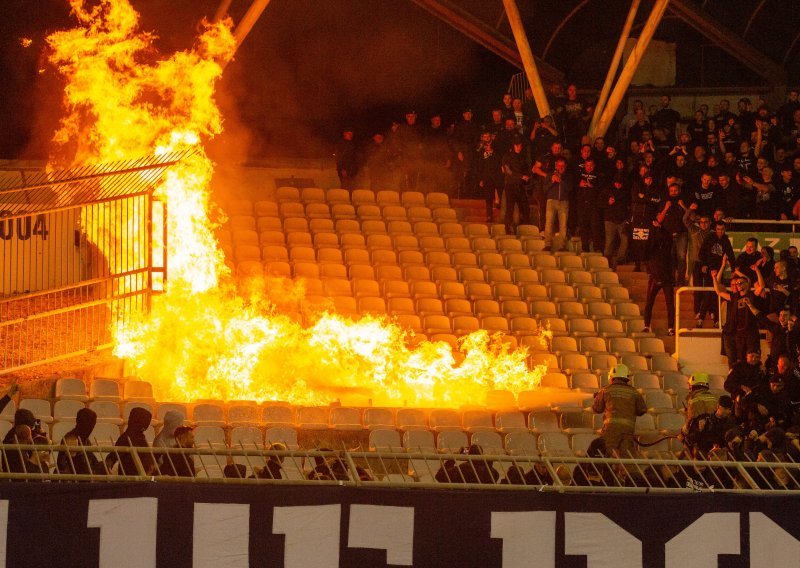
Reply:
x=76, y=250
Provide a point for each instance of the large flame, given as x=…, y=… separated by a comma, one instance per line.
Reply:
x=203, y=339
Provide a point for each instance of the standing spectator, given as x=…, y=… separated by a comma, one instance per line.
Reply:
x=667, y=119
x=613, y=201
x=638, y=129
x=521, y=120
x=379, y=164
x=543, y=135
x=787, y=193
x=715, y=247
x=465, y=140
x=490, y=175
x=671, y=220
x=778, y=289
x=645, y=199
x=697, y=234
x=740, y=332
x=558, y=196
x=629, y=120
x=620, y=404
x=748, y=260
x=697, y=129
x=661, y=269
x=706, y=196
x=784, y=336
x=543, y=169
x=734, y=198
x=575, y=119
x=346, y=160
x=517, y=175
x=409, y=142
x=590, y=216
x=508, y=107
x=766, y=204
x=436, y=158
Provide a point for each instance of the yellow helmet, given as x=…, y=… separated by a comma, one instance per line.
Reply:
x=620, y=371
x=698, y=379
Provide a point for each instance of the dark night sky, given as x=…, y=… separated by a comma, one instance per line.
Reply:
x=311, y=66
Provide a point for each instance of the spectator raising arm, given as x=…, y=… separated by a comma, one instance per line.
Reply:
x=719, y=287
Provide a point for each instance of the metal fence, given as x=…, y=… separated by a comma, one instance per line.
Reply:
x=76, y=256
x=665, y=473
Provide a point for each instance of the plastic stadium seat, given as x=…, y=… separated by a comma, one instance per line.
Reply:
x=570, y=262
x=425, y=228
x=269, y=224
x=463, y=325
x=40, y=408
x=521, y=444
x=552, y=276
x=580, y=442
x=313, y=417
x=535, y=292
x=318, y=211
x=554, y=443
x=479, y=291
x=602, y=363
x=626, y=310
x=105, y=434
x=491, y=443
x=445, y=419
x=411, y=419
x=412, y=198
x=405, y=242
x=378, y=418
x=646, y=381
x=664, y=363
x=278, y=417
x=344, y=418
x=522, y=326
x=57, y=432
x=509, y=246
x=525, y=276
x=491, y=260
x=483, y=307
x=107, y=411
x=609, y=327
x=585, y=382
x=271, y=253
x=581, y=327
x=237, y=222
x=590, y=344
x=561, y=292
x=670, y=422
x=396, y=289
x=278, y=269
x=621, y=345
x=467, y=274
x=437, y=258
x=645, y=423
x=419, y=214
x=658, y=402
x=569, y=310
x=208, y=414
x=604, y=279
x=542, y=308
x=562, y=344
x=649, y=346
x=451, y=441
x=580, y=278
x=374, y=306
x=572, y=362
x=104, y=389
x=634, y=361
x=460, y=244
x=138, y=391
x=494, y=324
x=398, y=227
x=282, y=435
x=395, y=213
x=452, y=289
x=555, y=380
x=245, y=237
x=380, y=256
x=498, y=275
x=387, y=197
x=457, y=307
x=437, y=199
x=385, y=440
x=676, y=382
x=517, y=260
x=554, y=325
x=291, y=209
x=478, y=230
x=73, y=389
x=510, y=421
x=419, y=440
x=66, y=410
x=286, y=193
x=366, y=288
x=388, y=272
x=265, y=208
x=360, y=271
x=512, y=308
x=599, y=310
x=244, y=415
x=295, y=224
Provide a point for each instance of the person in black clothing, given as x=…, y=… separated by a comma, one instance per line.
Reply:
x=465, y=140
x=614, y=201
x=740, y=332
x=713, y=248
x=543, y=169
x=598, y=475
x=645, y=200
x=273, y=469
x=490, y=175
x=25, y=428
x=80, y=461
x=590, y=217
x=671, y=220
x=661, y=268
x=180, y=465
x=133, y=436
x=745, y=375
x=517, y=175
x=472, y=471
x=784, y=335
x=346, y=160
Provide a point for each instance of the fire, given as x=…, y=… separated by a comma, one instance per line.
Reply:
x=204, y=337
x=25, y=41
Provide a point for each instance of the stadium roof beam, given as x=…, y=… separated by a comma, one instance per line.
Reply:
x=528, y=60
x=624, y=81
x=730, y=42
x=485, y=35
x=222, y=10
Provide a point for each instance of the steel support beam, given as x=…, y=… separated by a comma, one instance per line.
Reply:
x=729, y=41
x=485, y=35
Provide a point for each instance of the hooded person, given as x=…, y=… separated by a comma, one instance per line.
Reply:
x=133, y=436
x=20, y=433
x=166, y=438
x=80, y=462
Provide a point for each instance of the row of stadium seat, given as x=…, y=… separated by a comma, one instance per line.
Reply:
x=286, y=194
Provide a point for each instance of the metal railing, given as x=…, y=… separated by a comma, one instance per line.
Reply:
x=75, y=250
x=663, y=473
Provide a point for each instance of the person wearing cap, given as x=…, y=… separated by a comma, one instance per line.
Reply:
x=620, y=404
x=517, y=173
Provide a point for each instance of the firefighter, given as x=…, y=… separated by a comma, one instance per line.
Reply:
x=700, y=399
x=620, y=404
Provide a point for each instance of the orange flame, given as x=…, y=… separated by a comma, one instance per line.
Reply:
x=201, y=338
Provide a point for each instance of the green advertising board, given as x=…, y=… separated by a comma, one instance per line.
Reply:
x=778, y=241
